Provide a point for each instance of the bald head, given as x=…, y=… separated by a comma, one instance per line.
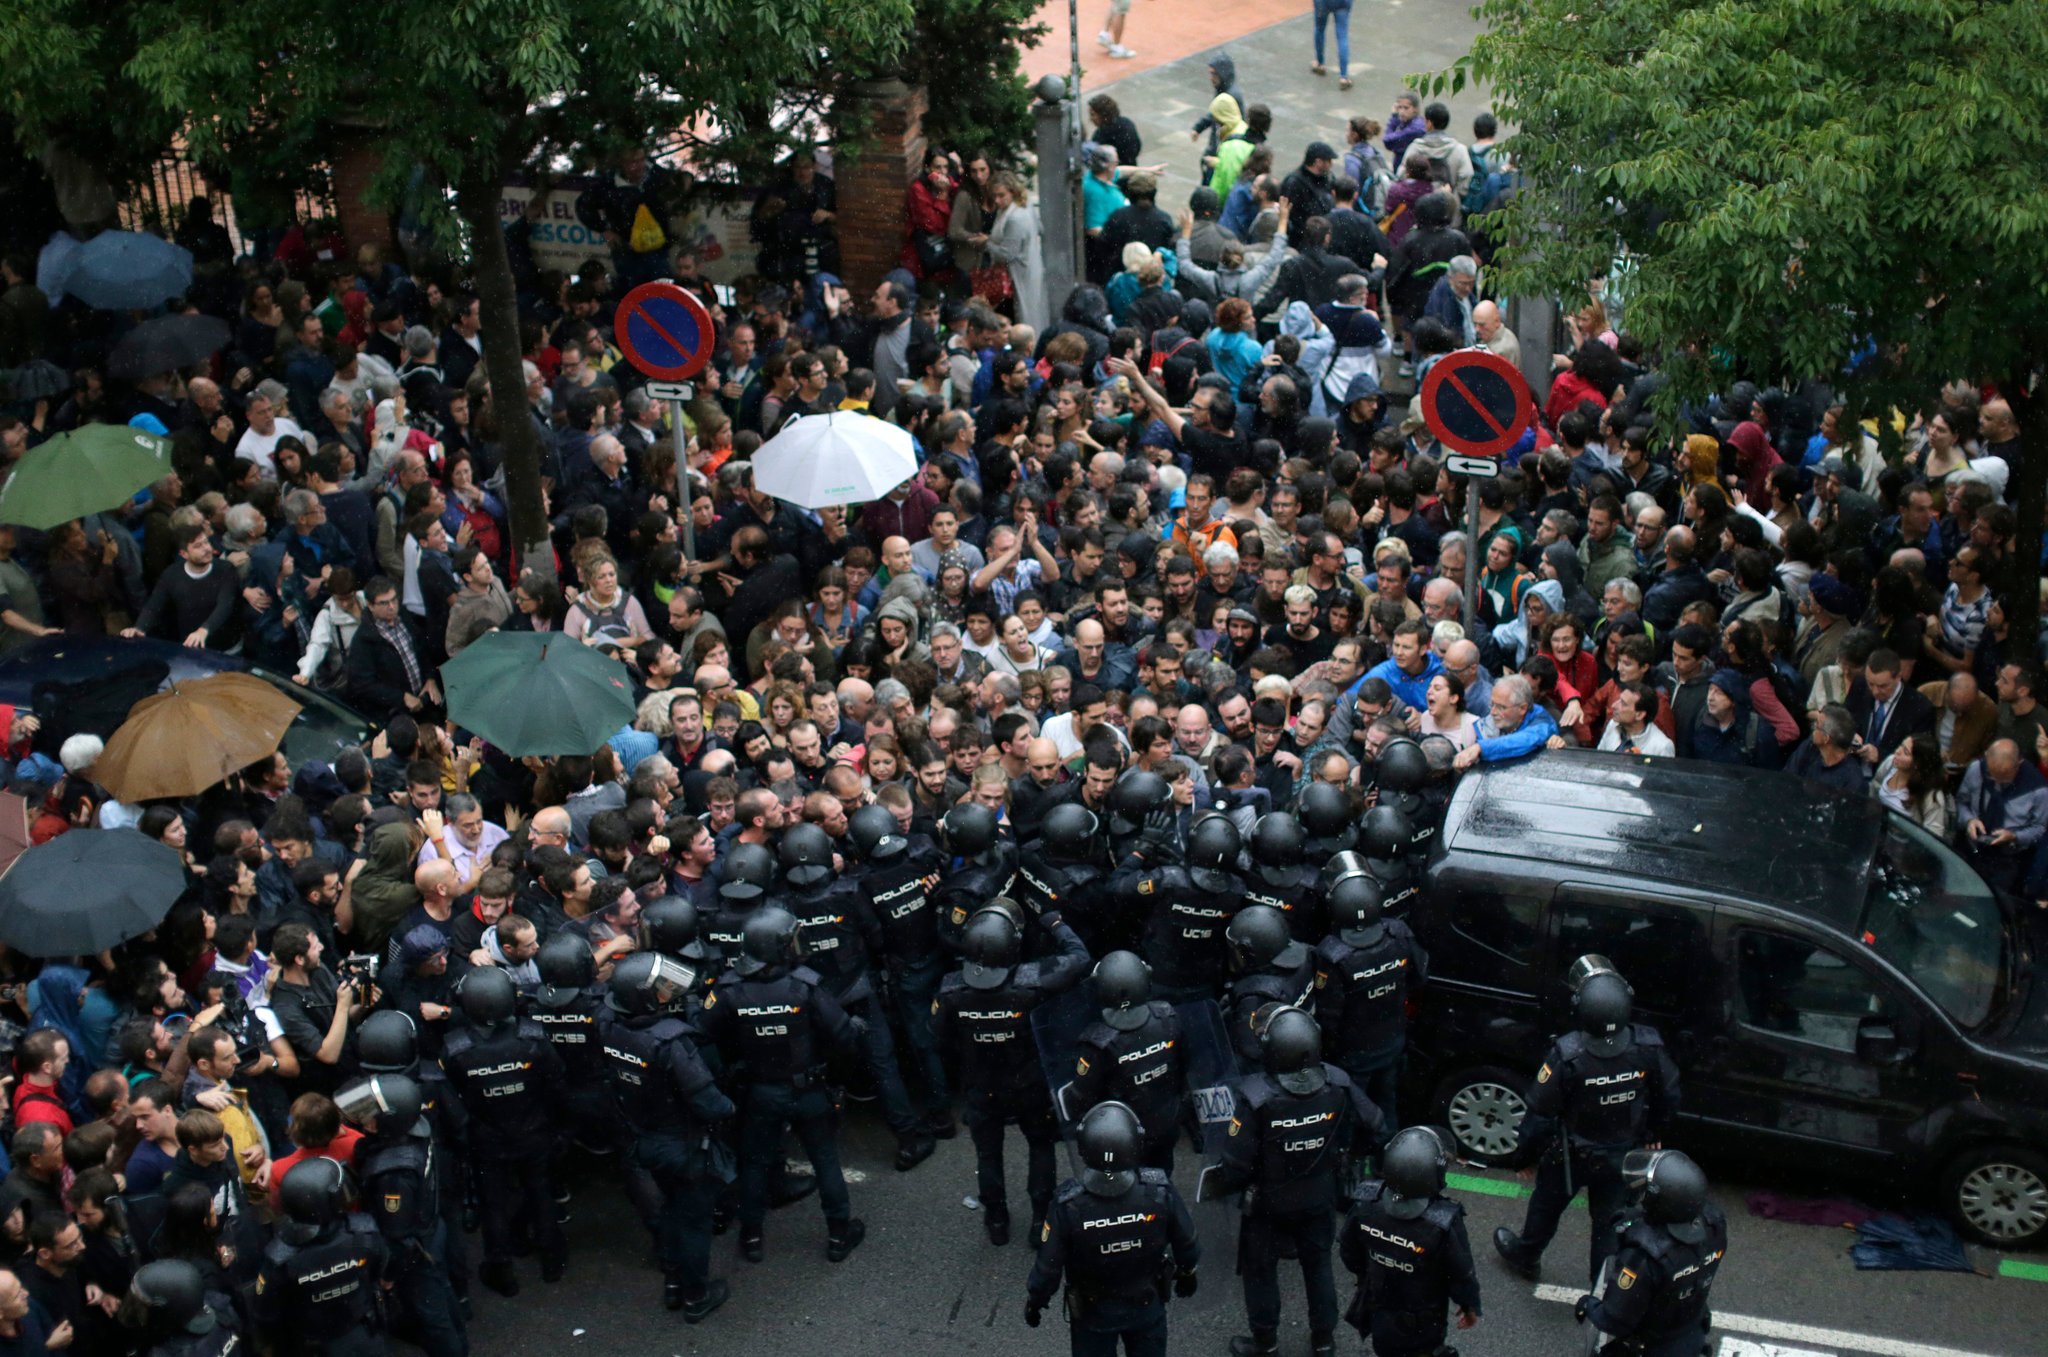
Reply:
x=896, y=554
x=608, y=453
x=2002, y=760
x=856, y=697
x=1089, y=632
x=436, y=878
x=1678, y=544
x=1485, y=321
x=552, y=821
x=1962, y=692
x=711, y=677
x=1461, y=656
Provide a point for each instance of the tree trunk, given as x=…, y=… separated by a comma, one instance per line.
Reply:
x=2029, y=491
x=477, y=198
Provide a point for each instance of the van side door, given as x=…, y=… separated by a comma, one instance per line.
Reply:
x=1661, y=944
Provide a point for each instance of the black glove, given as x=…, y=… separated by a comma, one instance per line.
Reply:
x=857, y=1027
x=1184, y=1283
x=1049, y=920
x=1580, y=1306
x=1032, y=1311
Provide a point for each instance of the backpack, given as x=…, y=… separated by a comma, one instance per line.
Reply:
x=1490, y=178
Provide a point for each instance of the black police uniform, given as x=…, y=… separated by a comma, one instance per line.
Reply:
x=1277, y=983
x=1296, y=892
x=1407, y=1270
x=841, y=939
x=1288, y=1152
x=1145, y=1068
x=1079, y=889
x=773, y=1025
x=322, y=1296
x=1656, y=1303
x=574, y=1022
x=401, y=1177
x=1001, y=1079
x=1598, y=1107
x=1362, y=1006
x=898, y=895
x=220, y=1341
x=670, y=1103
x=1117, y=1255
x=1184, y=912
x=725, y=930
x=510, y=1081
x=966, y=886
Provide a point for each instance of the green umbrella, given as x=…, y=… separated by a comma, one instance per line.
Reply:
x=85, y=471
x=538, y=692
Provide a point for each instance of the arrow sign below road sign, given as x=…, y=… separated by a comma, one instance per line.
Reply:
x=1479, y=468
x=1477, y=402
x=664, y=331
x=671, y=391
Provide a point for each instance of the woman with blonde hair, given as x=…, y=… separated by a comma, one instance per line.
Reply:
x=1013, y=242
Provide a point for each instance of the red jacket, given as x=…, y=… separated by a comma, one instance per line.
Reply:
x=33, y=1102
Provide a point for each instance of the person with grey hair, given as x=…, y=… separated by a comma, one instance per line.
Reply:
x=1620, y=596
x=1514, y=725
x=1442, y=601
x=268, y=423
x=459, y=835
x=1828, y=756
x=316, y=546
x=246, y=529
x=642, y=427
x=1450, y=300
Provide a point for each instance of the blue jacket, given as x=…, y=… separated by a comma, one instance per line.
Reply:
x=1537, y=727
x=1414, y=691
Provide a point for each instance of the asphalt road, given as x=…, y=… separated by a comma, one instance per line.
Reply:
x=928, y=1284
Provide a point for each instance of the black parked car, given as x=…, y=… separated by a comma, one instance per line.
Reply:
x=1835, y=983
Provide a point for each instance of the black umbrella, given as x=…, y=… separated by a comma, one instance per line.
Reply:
x=165, y=343
x=86, y=891
x=39, y=379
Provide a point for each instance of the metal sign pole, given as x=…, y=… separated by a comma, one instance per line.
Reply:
x=675, y=416
x=1471, y=559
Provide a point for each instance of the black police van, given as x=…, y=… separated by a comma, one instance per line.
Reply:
x=1835, y=983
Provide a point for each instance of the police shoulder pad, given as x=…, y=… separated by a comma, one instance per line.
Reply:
x=1443, y=1212
x=458, y=1041
x=1646, y=1035
x=1256, y=1091
x=276, y=1251
x=1154, y=1177
x=1069, y=1190
x=534, y=1031
x=807, y=975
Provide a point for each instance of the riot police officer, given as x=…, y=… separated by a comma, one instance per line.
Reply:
x=388, y=1043
x=670, y=1104
x=510, y=1080
x=774, y=1018
x=1271, y=968
x=1406, y=1243
x=745, y=875
x=167, y=1302
x=1115, y=1234
x=1134, y=1056
x=670, y=926
x=1066, y=870
x=983, y=1013
x=981, y=868
x=1185, y=909
x=896, y=874
x=840, y=940
x=401, y=1170
x=1401, y=774
x=1671, y=1242
x=1365, y=972
x=318, y=1291
x=567, y=1007
x=1605, y=1089
x=1327, y=819
x=1281, y=878
x=1297, y=1124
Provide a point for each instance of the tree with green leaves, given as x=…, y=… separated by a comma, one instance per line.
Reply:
x=1841, y=190
x=458, y=97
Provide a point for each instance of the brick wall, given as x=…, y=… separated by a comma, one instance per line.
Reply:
x=873, y=213
x=354, y=164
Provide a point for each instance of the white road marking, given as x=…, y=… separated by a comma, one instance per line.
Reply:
x=1759, y=1327
x=1742, y=1347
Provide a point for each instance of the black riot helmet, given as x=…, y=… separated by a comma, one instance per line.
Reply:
x=648, y=982
x=1213, y=843
x=970, y=830
x=1672, y=1187
x=1136, y=795
x=1257, y=935
x=1292, y=1048
x=768, y=939
x=1110, y=1140
x=875, y=834
x=566, y=970
x=1413, y=1168
x=991, y=945
x=1385, y=832
x=1340, y=866
x=747, y=873
x=314, y=1194
x=1355, y=903
x=175, y=1296
x=392, y=1101
x=1277, y=846
x=1123, y=985
x=670, y=925
x=1325, y=814
x=1401, y=766
x=1602, y=1004
x=487, y=996
x=806, y=854
x=387, y=1042
x=1068, y=831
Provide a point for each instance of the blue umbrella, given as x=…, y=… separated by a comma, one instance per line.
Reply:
x=128, y=270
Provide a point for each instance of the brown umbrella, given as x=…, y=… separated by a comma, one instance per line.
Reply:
x=186, y=738
x=15, y=816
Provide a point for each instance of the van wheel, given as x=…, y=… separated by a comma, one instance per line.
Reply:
x=1998, y=1194
x=1484, y=1107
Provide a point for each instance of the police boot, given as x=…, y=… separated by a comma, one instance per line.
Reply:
x=672, y=1297
x=1261, y=1343
x=699, y=1310
x=1515, y=1254
x=842, y=1239
x=942, y=1124
x=997, y=1221
x=1322, y=1345
x=500, y=1277
x=913, y=1148
x=750, y=1244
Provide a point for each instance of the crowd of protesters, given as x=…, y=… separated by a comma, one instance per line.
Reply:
x=1191, y=526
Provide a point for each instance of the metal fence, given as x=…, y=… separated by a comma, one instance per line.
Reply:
x=158, y=202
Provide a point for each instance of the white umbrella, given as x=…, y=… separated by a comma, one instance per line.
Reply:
x=840, y=458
